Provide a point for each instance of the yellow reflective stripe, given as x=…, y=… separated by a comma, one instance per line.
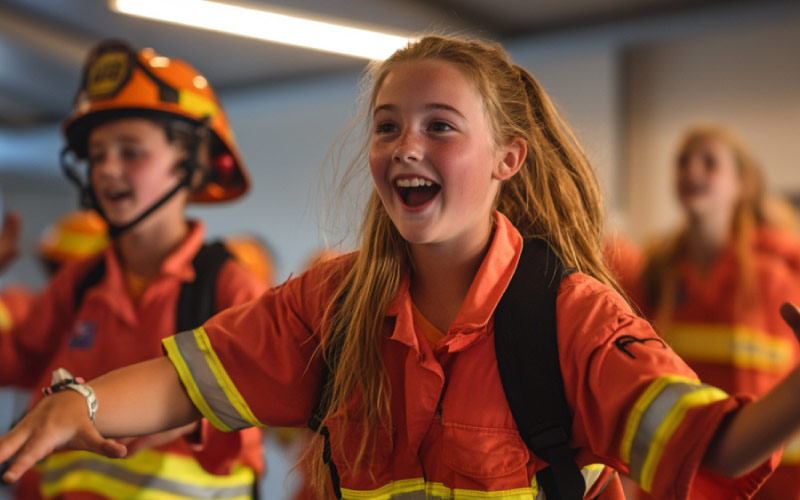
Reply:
x=147, y=474
x=231, y=392
x=166, y=465
x=641, y=405
x=196, y=104
x=386, y=491
x=672, y=420
x=791, y=452
x=730, y=344
x=174, y=355
x=412, y=489
x=6, y=321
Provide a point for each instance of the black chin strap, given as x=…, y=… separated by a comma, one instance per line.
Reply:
x=89, y=200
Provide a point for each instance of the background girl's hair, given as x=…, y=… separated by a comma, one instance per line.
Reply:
x=554, y=196
x=660, y=274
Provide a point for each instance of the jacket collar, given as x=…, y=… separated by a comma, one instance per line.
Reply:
x=488, y=286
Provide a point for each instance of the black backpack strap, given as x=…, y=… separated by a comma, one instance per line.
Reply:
x=93, y=277
x=527, y=358
x=196, y=300
x=315, y=423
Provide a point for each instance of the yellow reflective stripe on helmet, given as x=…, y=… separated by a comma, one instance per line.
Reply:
x=207, y=382
x=79, y=244
x=791, y=452
x=196, y=104
x=147, y=474
x=655, y=418
x=735, y=345
x=6, y=321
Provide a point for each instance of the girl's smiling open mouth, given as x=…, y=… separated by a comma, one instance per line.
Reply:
x=415, y=191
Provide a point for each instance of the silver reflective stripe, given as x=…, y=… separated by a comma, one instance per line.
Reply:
x=207, y=383
x=147, y=481
x=652, y=419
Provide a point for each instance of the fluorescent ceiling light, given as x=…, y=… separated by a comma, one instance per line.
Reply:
x=263, y=25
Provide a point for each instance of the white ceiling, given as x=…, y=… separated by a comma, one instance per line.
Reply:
x=43, y=42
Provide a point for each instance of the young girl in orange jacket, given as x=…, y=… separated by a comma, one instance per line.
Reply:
x=146, y=136
x=713, y=290
x=467, y=157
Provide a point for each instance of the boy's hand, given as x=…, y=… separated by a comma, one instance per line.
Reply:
x=60, y=420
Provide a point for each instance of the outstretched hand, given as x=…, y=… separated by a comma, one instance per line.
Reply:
x=9, y=239
x=58, y=421
x=791, y=315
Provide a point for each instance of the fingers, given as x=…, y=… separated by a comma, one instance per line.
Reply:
x=11, y=442
x=31, y=452
x=89, y=439
x=791, y=315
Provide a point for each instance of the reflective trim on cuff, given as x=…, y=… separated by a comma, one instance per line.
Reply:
x=654, y=419
x=207, y=383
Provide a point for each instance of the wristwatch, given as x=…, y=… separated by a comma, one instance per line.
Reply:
x=63, y=379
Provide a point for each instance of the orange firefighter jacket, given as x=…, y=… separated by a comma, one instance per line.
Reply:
x=637, y=407
x=736, y=342
x=109, y=331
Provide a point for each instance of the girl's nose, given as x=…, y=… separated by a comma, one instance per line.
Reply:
x=408, y=149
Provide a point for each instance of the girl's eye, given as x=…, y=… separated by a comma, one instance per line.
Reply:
x=440, y=126
x=385, y=128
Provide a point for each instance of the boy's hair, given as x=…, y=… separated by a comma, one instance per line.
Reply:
x=660, y=274
x=554, y=196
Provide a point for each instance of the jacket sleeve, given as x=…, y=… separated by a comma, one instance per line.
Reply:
x=251, y=365
x=216, y=450
x=638, y=407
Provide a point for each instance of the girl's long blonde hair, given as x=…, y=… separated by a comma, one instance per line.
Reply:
x=660, y=274
x=554, y=196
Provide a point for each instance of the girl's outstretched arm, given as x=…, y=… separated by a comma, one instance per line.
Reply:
x=140, y=399
x=752, y=434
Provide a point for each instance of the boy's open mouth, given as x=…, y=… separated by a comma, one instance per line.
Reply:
x=416, y=191
x=116, y=194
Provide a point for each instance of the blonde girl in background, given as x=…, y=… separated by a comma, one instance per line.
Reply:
x=468, y=158
x=713, y=289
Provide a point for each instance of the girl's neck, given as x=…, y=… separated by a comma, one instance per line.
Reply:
x=442, y=276
x=707, y=238
x=143, y=248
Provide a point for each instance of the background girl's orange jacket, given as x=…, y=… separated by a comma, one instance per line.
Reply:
x=637, y=406
x=110, y=331
x=740, y=345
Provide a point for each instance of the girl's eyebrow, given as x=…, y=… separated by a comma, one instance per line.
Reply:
x=428, y=107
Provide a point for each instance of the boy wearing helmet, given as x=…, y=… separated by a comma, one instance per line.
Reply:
x=146, y=136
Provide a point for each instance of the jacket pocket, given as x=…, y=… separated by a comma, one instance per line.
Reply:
x=345, y=442
x=483, y=452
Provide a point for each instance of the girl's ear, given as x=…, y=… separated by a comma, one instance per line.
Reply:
x=512, y=155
